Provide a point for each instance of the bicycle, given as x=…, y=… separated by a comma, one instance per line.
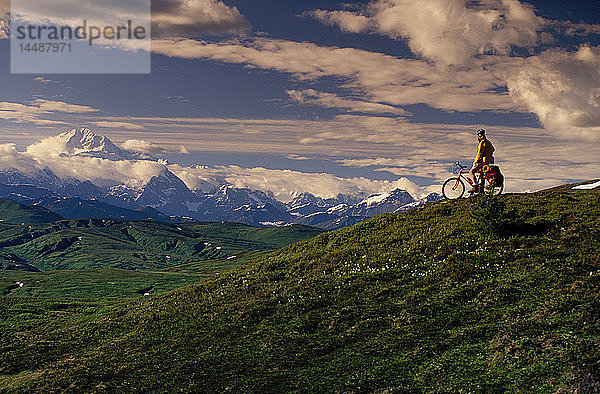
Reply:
x=454, y=187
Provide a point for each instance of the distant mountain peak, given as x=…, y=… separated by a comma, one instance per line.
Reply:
x=396, y=196
x=82, y=139
x=84, y=142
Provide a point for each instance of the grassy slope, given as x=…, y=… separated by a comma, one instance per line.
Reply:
x=419, y=301
x=145, y=244
x=91, y=283
x=14, y=212
x=89, y=257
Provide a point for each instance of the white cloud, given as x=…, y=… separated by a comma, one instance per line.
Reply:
x=52, y=153
x=375, y=77
x=449, y=32
x=574, y=29
x=284, y=184
x=42, y=80
x=38, y=111
x=380, y=161
x=21, y=113
x=560, y=87
x=62, y=159
x=60, y=106
x=189, y=18
x=563, y=89
x=330, y=100
x=381, y=83
x=349, y=22
x=297, y=157
x=11, y=158
x=117, y=125
x=143, y=146
x=94, y=14
x=104, y=172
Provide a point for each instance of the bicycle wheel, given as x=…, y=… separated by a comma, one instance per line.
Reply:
x=453, y=188
x=491, y=189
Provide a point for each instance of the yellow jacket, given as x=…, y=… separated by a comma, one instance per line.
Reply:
x=485, y=152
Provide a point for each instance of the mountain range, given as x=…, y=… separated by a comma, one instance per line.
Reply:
x=166, y=197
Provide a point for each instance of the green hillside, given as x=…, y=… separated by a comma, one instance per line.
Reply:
x=141, y=245
x=476, y=295
x=111, y=258
x=13, y=212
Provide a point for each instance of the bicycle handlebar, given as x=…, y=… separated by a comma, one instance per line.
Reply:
x=457, y=165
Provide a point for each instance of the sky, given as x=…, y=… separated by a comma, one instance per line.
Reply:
x=331, y=97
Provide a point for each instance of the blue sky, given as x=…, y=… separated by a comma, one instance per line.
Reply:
x=356, y=91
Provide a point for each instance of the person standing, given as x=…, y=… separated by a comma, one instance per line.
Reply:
x=485, y=155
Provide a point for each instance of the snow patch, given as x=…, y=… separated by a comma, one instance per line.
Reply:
x=588, y=186
x=375, y=199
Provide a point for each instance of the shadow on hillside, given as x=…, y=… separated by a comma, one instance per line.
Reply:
x=520, y=228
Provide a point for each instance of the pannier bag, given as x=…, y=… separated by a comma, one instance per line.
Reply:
x=494, y=174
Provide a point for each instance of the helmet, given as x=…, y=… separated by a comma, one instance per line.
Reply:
x=480, y=132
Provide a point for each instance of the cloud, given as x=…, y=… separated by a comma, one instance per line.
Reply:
x=37, y=111
x=11, y=158
x=330, y=100
x=448, y=32
x=46, y=154
x=20, y=113
x=45, y=81
x=60, y=106
x=190, y=18
x=297, y=157
x=117, y=125
x=285, y=184
x=104, y=172
x=563, y=89
x=347, y=21
x=413, y=166
x=375, y=77
x=574, y=29
x=360, y=163
x=143, y=146
x=42, y=80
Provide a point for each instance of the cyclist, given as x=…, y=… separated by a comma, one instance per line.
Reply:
x=485, y=155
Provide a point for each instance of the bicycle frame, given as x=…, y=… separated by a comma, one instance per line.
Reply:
x=461, y=175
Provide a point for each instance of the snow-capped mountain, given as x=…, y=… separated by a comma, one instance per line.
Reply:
x=240, y=205
x=84, y=142
x=43, y=182
x=307, y=203
x=342, y=214
x=167, y=193
x=382, y=203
